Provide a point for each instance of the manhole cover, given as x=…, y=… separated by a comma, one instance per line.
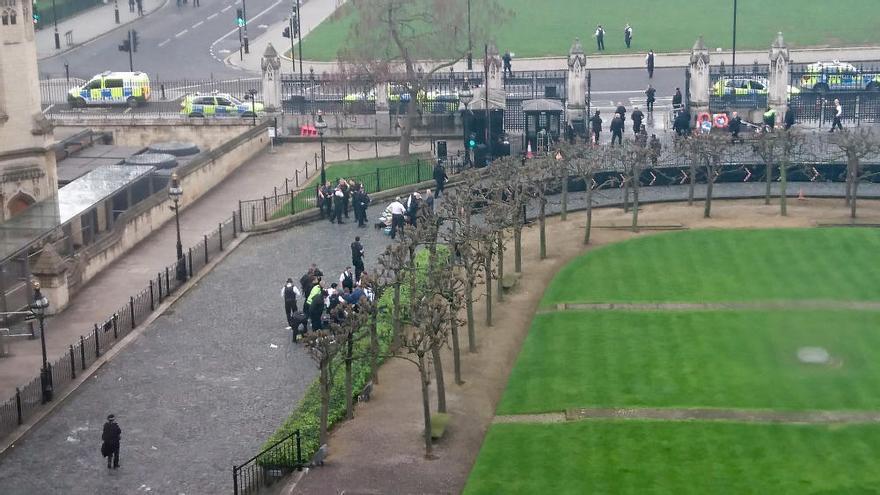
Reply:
x=813, y=355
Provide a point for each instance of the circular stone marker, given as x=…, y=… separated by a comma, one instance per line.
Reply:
x=176, y=148
x=813, y=355
x=158, y=160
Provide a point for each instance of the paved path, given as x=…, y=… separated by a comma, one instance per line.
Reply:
x=110, y=289
x=718, y=306
x=90, y=24
x=697, y=414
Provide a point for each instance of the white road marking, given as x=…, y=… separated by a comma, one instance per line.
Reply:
x=164, y=42
x=230, y=33
x=225, y=51
x=224, y=9
x=237, y=2
x=178, y=35
x=215, y=14
x=263, y=26
x=198, y=24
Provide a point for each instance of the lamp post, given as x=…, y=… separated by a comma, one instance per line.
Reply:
x=465, y=96
x=321, y=126
x=253, y=96
x=38, y=307
x=174, y=193
x=470, y=59
x=733, y=62
x=55, y=21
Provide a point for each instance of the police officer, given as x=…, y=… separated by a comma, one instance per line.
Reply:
x=596, y=126
x=357, y=258
x=617, y=129
x=637, y=117
x=769, y=119
x=788, y=122
x=627, y=35
x=600, y=37
x=650, y=97
x=290, y=292
x=735, y=126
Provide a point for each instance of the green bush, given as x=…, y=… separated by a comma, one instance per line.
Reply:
x=306, y=416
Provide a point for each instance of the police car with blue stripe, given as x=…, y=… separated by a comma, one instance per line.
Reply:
x=112, y=88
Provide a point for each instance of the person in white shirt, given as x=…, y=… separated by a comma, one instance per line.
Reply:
x=346, y=279
x=397, y=213
x=838, y=113
x=338, y=200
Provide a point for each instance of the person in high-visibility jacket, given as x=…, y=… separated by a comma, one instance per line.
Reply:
x=315, y=302
x=770, y=118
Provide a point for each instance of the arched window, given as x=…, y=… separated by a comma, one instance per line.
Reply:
x=19, y=203
x=7, y=16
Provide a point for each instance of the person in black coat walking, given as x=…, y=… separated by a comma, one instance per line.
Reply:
x=621, y=110
x=637, y=117
x=110, y=437
x=596, y=126
x=735, y=126
x=440, y=179
x=357, y=258
x=649, y=63
x=617, y=129
x=650, y=97
x=676, y=99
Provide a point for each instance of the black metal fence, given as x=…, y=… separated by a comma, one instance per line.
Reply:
x=742, y=87
x=96, y=341
x=859, y=107
x=301, y=194
x=836, y=76
x=269, y=466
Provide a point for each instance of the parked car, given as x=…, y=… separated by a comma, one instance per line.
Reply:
x=112, y=88
x=726, y=86
x=823, y=76
x=218, y=105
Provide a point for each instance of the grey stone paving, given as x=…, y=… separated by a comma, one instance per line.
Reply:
x=200, y=389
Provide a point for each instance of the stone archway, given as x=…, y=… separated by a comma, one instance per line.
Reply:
x=19, y=203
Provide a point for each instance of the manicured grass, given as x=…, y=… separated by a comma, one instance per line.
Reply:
x=548, y=28
x=375, y=173
x=741, y=359
x=636, y=457
x=726, y=265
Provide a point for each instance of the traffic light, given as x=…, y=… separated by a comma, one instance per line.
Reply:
x=239, y=18
x=294, y=21
x=36, y=12
x=472, y=141
x=134, y=40
x=286, y=32
x=125, y=46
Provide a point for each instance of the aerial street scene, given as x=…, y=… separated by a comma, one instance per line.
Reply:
x=489, y=247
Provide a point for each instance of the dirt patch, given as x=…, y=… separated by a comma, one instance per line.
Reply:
x=382, y=450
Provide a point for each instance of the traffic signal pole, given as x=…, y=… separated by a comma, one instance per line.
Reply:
x=244, y=14
x=299, y=36
x=240, y=45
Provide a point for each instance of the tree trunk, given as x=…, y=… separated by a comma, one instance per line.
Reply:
x=517, y=249
x=349, y=392
x=855, y=191
x=783, y=189
x=707, y=211
x=769, y=182
x=469, y=308
x=589, y=191
x=441, y=385
x=325, y=401
x=426, y=405
x=635, y=203
x=500, y=265
x=374, y=344
x=691, y=185
x=456, y=348
x=542, y=230
x=625, y=195
x=563, y=215
x=406, y=131
x=488, y=269
x=396, y=315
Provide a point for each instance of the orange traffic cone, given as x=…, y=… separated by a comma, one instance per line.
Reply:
x=529, y=151
x=801, y=195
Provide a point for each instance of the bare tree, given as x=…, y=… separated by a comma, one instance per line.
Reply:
x=856, y=145
x=393, y=265
x=399, y=39
x=542, y=174
x=324, y=345
x=709, y=150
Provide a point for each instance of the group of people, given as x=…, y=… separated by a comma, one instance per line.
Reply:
x=407, y=211
x=627, y=40
x=336, y=202
x=320, y=299
x=618, y=124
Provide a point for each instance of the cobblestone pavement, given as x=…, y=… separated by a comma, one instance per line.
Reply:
x=201, y=388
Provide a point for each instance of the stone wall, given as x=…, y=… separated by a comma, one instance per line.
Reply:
x=207, y=134
x=197, y=177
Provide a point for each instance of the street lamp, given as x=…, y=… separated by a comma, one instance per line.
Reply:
x=465, y=96
x=321, y=126
x=252, y=94
x=733, y=62
x=174, y=193
x=470, y=55
x=38, y=308
x=55, y=21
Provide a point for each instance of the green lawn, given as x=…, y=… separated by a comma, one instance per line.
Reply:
x=642, y=458
x=726, y=265
x=742, y=359
x=548, y=28
x=377, y=174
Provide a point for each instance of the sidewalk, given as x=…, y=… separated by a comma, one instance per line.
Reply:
x=128, y=275
x=90, y=24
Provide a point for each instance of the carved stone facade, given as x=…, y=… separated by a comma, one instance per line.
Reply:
x=27, y=164
x=496, y=74
x=271, y=65
x=699, y=78
x=577, y=79
x=779, y=76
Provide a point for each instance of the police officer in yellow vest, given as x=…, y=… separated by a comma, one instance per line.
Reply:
x=770, y=118
x=315, y=303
